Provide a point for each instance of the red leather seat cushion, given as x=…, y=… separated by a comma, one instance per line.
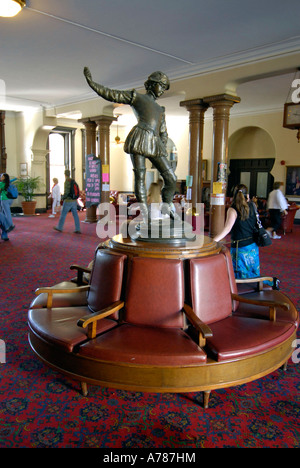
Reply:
x=59, y=326
x=236, y=337
x=246, y=288
x=145, y=345
x=248, y=310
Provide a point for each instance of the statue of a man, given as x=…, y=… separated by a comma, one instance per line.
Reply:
x=148, y=138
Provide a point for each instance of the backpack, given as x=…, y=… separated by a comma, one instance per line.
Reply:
x=12, y=192
x=74, y=190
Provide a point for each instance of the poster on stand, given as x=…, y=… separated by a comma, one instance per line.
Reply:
x=93, y=180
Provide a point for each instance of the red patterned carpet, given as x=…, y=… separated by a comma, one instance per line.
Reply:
x=41, y=409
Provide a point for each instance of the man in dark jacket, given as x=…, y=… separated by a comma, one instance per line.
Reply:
x=69, y=204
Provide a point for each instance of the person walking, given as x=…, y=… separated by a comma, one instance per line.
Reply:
x=55, y=194
x=6, y=202
x=277, y=206
x=240, y=223
x=69, y=204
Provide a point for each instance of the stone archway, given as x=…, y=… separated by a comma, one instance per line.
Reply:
x=252, y=154
x=251, y=142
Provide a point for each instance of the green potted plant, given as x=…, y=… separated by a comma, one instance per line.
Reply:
x=26, y=187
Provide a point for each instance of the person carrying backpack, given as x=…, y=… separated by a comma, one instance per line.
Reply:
x=71, y=193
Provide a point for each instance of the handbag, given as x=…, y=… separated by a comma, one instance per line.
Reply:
x=260, y=235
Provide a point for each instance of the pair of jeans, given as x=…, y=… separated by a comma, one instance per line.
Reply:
x=3, y=227
x=69, y=206
x=5, y=209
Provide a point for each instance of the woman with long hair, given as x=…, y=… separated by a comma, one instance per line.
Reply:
x=240, y=223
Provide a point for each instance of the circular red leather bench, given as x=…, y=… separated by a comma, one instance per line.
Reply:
x=162, y=324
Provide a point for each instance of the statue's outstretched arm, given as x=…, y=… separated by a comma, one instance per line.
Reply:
x=113, y=95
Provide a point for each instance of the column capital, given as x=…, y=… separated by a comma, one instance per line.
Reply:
x=223, y=99
x=90, y=125
x=194, y=103
x=99, y=119
x=104, y=119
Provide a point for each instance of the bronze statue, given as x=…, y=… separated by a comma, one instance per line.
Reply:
x=148, y=138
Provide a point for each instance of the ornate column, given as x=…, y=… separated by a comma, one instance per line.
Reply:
x=3, y=155
x=221, y=105
x=104, y=122
x=196, y=108
x=90, y=148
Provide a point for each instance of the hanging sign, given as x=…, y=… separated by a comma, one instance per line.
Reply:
x=93, y=180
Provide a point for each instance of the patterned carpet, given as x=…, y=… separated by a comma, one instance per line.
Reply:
x=41, y=409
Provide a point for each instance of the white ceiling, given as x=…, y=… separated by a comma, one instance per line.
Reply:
x=44, y=49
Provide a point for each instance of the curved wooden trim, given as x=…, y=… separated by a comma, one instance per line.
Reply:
x=202, y=246
x=132, y=377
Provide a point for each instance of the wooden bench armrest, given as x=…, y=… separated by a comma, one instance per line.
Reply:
x=80, y=268
x=80, y=271
x=91, y=320
x=201, y=327
x=260, y=280
x=50, y=291
x=261, y=302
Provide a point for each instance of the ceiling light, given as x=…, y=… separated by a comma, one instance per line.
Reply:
x=9, y=8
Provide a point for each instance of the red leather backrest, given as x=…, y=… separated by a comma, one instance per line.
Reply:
x=155, y=292
x=106, y=279
x=210, y=288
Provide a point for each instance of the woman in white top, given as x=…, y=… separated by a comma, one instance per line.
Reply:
x=277, y=205
x=56, y=196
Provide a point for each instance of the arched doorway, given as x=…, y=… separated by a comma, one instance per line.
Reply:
x=251, y=154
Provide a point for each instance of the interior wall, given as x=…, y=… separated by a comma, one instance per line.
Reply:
x=251, y=142
x=21, y=130
x=283, y=144
x=11, y=143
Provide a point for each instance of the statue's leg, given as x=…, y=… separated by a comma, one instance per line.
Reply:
x=139, y=169
x=162, y=165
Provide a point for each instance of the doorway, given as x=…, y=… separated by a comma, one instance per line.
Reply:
x=254, y=173
x=252, y=156
x=60, y=157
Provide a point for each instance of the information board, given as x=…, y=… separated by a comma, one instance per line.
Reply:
x=93, y=180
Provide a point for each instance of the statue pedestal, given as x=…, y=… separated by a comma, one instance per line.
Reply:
x=201, y=246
